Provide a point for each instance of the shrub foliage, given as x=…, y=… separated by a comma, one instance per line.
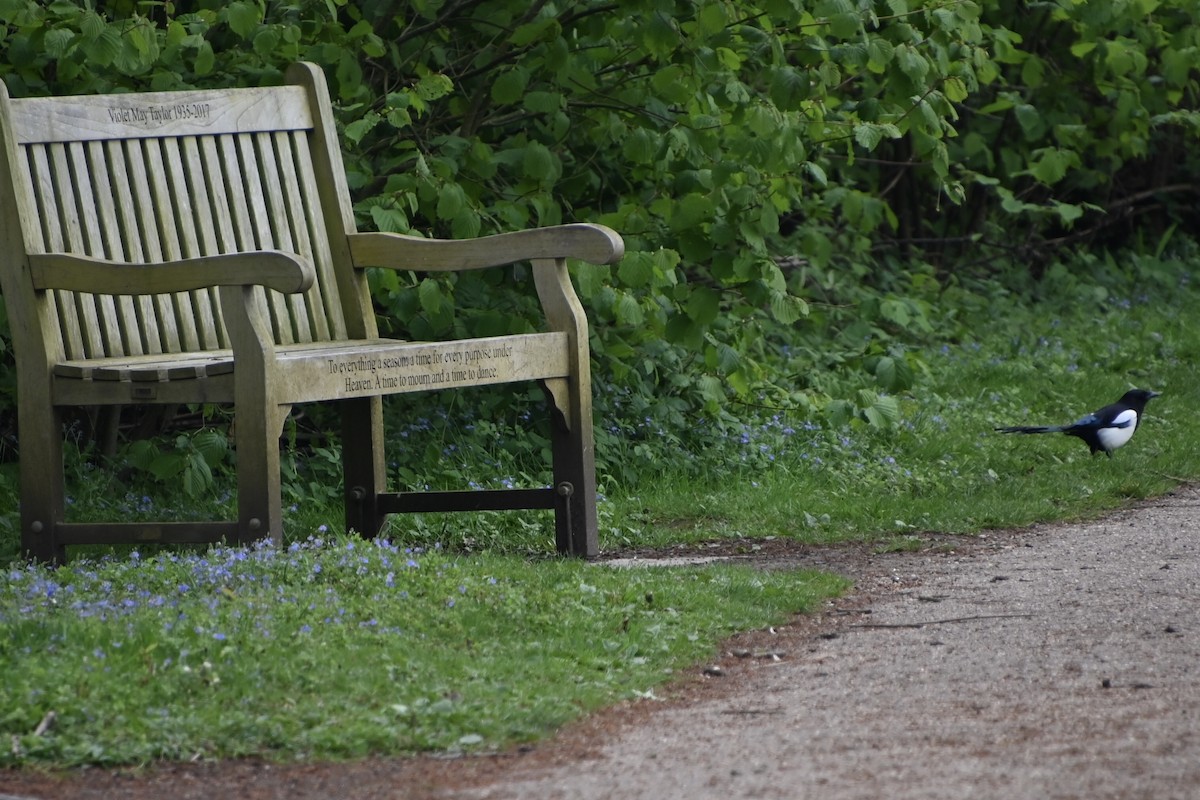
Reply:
x=797, y=180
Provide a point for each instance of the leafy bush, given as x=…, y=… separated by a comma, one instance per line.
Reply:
x=798, y=182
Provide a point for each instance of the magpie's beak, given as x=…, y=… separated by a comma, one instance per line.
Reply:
x=1156, y=394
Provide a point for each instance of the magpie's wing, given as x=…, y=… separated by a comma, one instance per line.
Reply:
x=1093, y=420
x=1123, y=419
x=1114, y=416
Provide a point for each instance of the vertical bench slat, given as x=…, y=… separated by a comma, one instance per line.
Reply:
x=145, y=317
x=324, y=293
x=225, y=171
x=308, y=307
x=42, y=181
x=294, y=319
x=210, y=172
x=193, y=215
x=146, y=223
x=65, y=232
x=124, y=308
x=86, y=234
x=157, y=153
x=260, y=226
x=207, y=213
x=177, y=213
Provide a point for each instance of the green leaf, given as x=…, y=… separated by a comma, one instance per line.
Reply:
x=212, y=444
x=197, y=476
x=451, y=200
x=895, y=311
x=434, y=87
x=691, y=210
x=57, y=42
x=787, y=308
x=1051, y=164
x=712, y=389
x=466, y=224
x=627, y=310
x=539, y=163
x=673, y=84
x=712, y=18
x=845, y=26
x=640, y=146
x=106, y=48
x=167, y=465
x=545, y=28
x=788, y=88
x=1068, y=212
x=636, y=269
x=868, y=135
x=432, y=297
x=509, y=87
x=955, y=90
x=141, y=453
x=704, y=305
x=244, y=18
x=205, y=59
x=389, y=220
x=659, y=34
x=885, y=372
x=912, y=63
x=817, y=173
x=92, y=25
x=879, y=54
x=265, y=41
x=1030, y=121
x=544, y=102
x=888, y=408
x=355, y=131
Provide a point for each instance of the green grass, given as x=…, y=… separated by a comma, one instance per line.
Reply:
x=468, y=634
x=940, y=466
x=342, y=648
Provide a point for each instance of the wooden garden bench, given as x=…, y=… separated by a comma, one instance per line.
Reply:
x=200, y=247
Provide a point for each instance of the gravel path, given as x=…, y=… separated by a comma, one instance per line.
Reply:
x=1056, y=662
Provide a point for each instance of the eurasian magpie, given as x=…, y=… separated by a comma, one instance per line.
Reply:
x=1103, y=430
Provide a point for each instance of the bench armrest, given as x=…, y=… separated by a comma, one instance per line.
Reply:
x=274, y=269
x=595, y=244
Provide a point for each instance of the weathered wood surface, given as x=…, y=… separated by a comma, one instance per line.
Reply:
x=383, y=367
x=156, y=114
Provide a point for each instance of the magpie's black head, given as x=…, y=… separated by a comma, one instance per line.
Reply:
x=1137, y=398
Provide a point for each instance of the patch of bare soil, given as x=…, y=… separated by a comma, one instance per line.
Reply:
x=1049, y=662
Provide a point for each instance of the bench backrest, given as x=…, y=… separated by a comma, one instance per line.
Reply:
x=159, y=177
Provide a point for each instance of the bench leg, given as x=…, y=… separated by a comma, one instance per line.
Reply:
x=256, y=439
x=574, y=452
x=42, y=493
x=363, y=464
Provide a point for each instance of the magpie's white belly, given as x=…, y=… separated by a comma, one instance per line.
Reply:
x=1114, y=437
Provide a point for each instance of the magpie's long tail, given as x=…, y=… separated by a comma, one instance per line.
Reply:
x=1033, y=429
